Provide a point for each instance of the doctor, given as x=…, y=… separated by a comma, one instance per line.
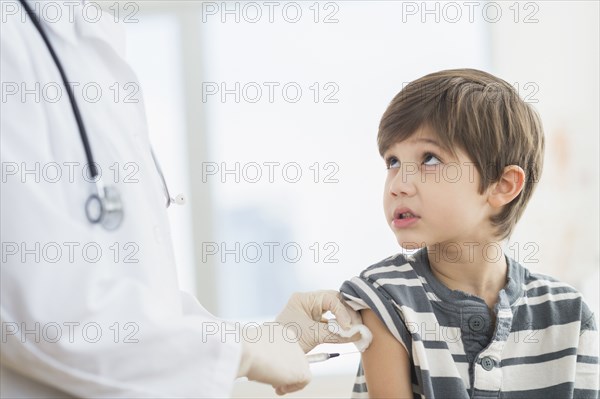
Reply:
x=90, y=304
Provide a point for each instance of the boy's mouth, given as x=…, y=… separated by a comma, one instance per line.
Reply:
x=404, y=218
x=404, y=213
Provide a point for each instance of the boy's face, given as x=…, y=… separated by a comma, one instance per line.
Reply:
x=437, y=193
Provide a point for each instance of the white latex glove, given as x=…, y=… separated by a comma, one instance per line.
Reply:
x=305, y=311
x=271, y=355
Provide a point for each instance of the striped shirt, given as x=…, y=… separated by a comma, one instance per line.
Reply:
x=543, y=344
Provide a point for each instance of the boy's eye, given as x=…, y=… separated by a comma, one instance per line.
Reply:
x=431, y=159
x=392, y=163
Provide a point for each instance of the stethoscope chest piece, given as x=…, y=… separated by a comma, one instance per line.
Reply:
x=106, y=210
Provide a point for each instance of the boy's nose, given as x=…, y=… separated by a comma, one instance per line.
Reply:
x=403, y=183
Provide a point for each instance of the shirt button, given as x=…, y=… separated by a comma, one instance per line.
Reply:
x=476, y=323
x=487, y=363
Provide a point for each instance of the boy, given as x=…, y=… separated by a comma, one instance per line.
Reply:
x=458, y=318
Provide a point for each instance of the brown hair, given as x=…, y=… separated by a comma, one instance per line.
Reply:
x=480, y=114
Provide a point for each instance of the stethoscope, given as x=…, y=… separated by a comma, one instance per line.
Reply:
x=105, y=206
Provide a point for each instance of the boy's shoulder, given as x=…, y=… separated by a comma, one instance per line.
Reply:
x=540, y=283
x=549, y=294
x=398, y=259
x=400, y=277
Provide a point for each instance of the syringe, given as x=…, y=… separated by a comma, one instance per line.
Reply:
x=320, y=357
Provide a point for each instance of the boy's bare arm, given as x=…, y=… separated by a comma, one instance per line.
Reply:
x=386, y=363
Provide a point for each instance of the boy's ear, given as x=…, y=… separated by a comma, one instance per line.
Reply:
x=507, y=187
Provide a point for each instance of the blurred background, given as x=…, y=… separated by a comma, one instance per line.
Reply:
x=265, y=115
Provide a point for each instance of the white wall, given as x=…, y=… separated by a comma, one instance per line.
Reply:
x=559, y=56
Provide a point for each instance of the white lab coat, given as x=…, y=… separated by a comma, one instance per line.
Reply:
x=165, y=350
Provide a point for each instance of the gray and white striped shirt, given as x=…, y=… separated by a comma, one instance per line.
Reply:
x=544, y=343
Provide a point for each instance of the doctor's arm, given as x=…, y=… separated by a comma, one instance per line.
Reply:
x=73, y=317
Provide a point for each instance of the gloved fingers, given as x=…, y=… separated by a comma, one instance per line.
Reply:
x=330, y=300
x=354, y=315
x=319, y=333
x=274, y=358
x=282, y=390
x=328, y=335
x=313, y=305
x=355, y=318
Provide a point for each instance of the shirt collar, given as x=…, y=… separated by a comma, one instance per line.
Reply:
x=513, y=288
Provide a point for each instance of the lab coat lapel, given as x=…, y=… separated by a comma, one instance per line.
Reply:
x=105, y=29
x=57, y=19
x=70, y=22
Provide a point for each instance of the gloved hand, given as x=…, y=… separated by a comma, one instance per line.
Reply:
x=305, y=311
x=271, y=355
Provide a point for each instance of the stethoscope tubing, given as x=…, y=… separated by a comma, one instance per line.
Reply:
x=76, y=113
x=105, y=206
